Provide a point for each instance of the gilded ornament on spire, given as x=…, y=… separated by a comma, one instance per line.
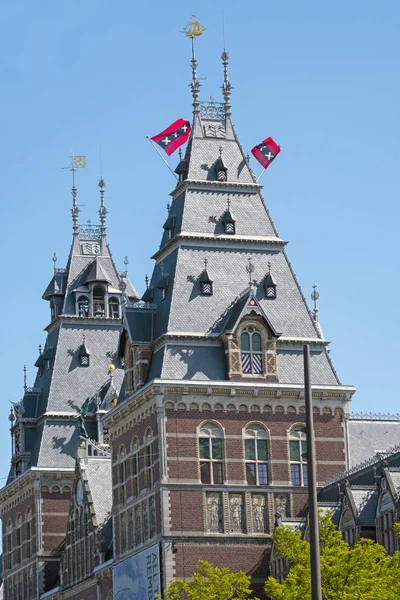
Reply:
x=193, y=28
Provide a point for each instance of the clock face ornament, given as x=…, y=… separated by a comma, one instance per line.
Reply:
x=79, y=493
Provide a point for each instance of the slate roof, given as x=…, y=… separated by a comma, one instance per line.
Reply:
x=367, y=437
x=62, y=388
x=98, y=474
x=198, y=206
x=365, y=501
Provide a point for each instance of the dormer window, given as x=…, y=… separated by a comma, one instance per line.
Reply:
x=163, y=283
x=84, y=354
x=98, y=301
x=206, y=282
x=83, y=306
x=113, y=308
x=228, y=221
x=169, y=225
x=251, y=351
x=269, y=285
x=148, y=296
x=52, y=311
x=221, y=170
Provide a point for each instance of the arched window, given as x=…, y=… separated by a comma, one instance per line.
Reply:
x=83, y=306
x=298, y=456
x=113, y=308
x=18, y=539
x=211, y=454
x=135, y=467
x=98, y=301
x=121, y=475
x=386, y=519
x=256, y=455
x=28, y=533
x=149, y=459
x=250, y=342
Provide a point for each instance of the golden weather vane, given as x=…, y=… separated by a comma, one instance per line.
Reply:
x=193, y=28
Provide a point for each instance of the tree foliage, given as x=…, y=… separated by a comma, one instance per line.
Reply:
x=210, y=583
x=364, y=572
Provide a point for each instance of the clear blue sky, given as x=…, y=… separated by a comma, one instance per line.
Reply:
x=321, y=77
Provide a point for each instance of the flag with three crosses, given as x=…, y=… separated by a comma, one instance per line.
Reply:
x=174, y=136
x=266, y=152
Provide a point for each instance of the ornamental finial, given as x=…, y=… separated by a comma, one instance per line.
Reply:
x=126, y=263
x=250, y=270
x=146, y=280
x=25, y=386
x=77, y=162
x=54, y=261
x=192, y=30
x=103, y=211
x=314, y=298
x=226, y=86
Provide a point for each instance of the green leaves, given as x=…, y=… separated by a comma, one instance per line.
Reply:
x=360, y=573
x=211, y=583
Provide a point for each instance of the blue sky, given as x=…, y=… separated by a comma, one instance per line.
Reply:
x=321, y=78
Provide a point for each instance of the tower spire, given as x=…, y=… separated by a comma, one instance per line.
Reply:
x=192, y=30
x=77, y=162
x=226, y=86
x=103, y=211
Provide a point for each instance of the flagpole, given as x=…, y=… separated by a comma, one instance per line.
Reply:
x=260, y=175
x=161, y=156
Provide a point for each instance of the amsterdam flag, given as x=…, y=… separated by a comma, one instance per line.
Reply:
x=266, y=152
x=174, y=136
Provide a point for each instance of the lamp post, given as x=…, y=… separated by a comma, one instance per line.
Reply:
x=316, y=591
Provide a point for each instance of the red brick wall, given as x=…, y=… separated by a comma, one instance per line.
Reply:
x=55, y=510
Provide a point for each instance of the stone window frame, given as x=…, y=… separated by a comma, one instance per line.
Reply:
x=148, y=458
x=28, y=533
x=214, y=425
x=112, y=304
x=135, y=466
x=8, y=546
x=82, y=297
x=262, y=331
x=302, y=461
x=121, y=475
x=258, y=426
x=18, y=539
x=385, y=521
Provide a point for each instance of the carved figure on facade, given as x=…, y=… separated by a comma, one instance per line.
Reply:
x=88, y=248
x=236, y=510
x=259, y=514
x=214, y=513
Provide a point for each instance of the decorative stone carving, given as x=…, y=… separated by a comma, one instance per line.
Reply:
x=217, y=131
x=88, y=248
x=259, y=513
x=236, y=512
x=214, y=513
x=281, y=504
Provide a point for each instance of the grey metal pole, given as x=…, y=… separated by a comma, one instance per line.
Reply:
x=316, y=590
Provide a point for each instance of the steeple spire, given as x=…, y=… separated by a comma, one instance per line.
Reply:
x=77, y=162
x=226, y=86
x=192, y=30
x=103, y=210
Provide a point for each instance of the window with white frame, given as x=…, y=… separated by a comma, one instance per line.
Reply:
x=135, y=467
x=211, y=454
x=256, y=455
x=298, y=456
x=83, y=306
x=251, y=351
x=98, y=301
x=386, y=521
x=113, y=308
x=148, y=455
x=121, y=475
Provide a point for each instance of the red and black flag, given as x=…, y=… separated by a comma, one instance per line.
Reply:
x=266, y=152
x=174, y=136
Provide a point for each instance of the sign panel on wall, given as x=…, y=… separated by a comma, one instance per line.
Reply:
x=138, y=577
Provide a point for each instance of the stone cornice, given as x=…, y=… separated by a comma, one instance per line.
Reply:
x=229, y=389
x=75, y=320
x=242, y=242
x=217, y=186
x=32, y=474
